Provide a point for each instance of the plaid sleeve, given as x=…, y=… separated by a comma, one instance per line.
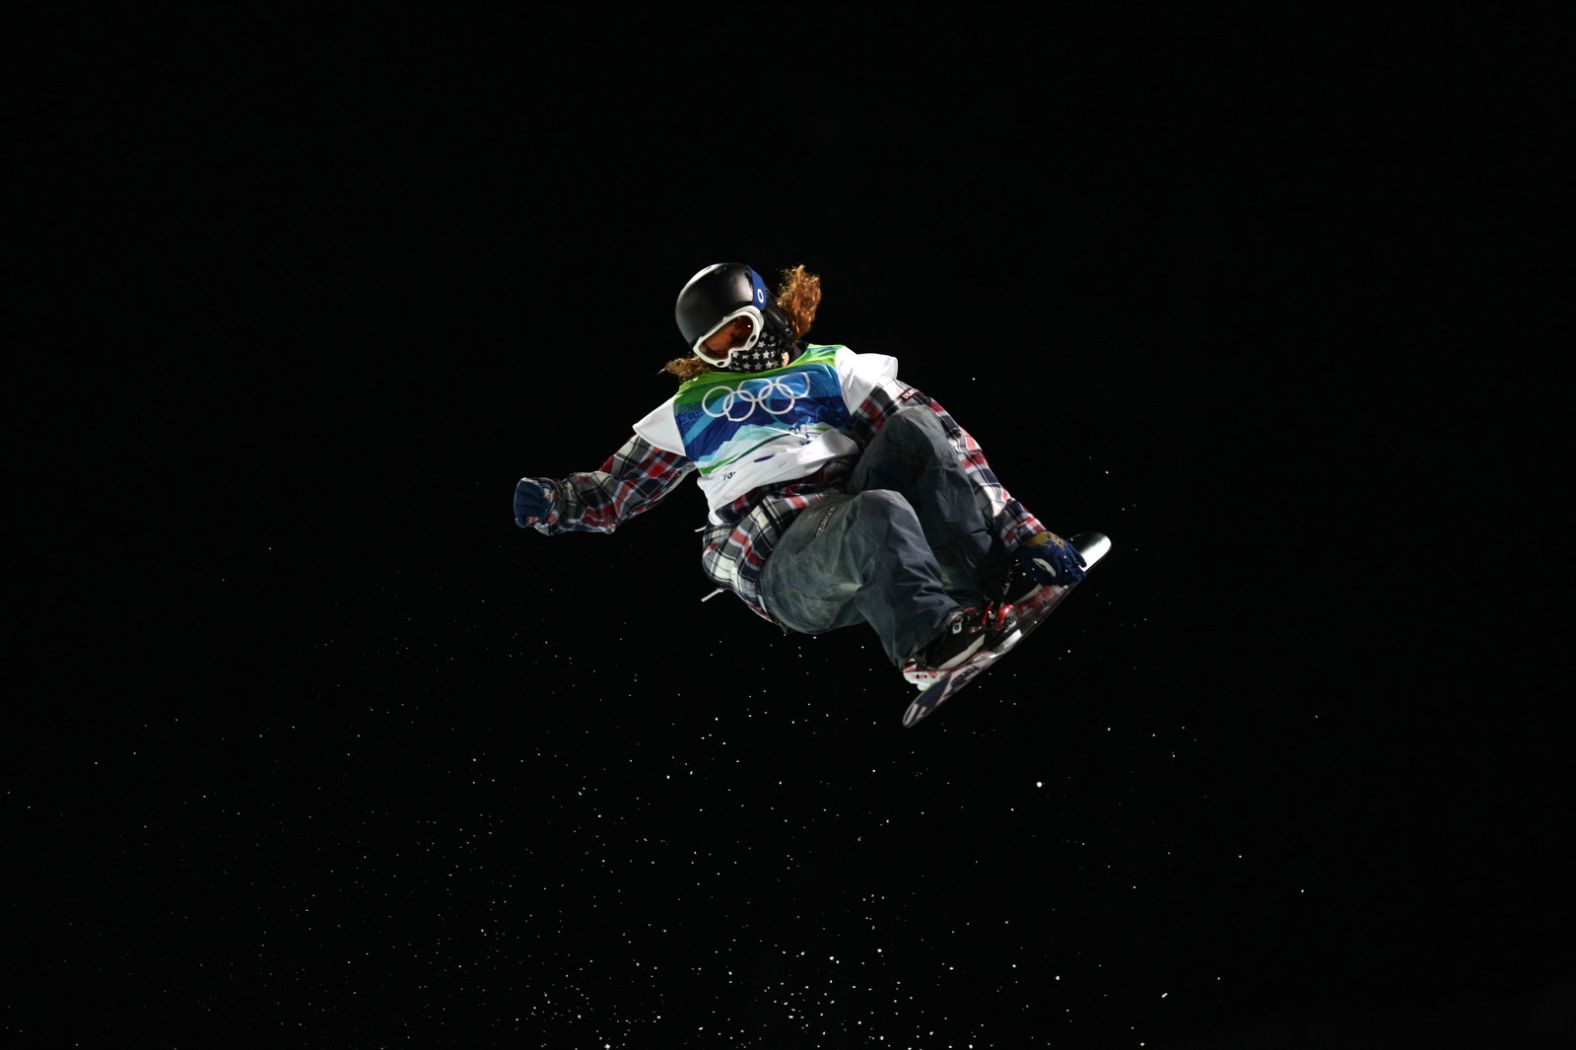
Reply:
x=1014, y=523
x=633, y=480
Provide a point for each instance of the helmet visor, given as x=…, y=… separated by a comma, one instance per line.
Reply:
x=742, y=328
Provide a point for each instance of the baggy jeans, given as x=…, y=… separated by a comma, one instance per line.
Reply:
x=906, y=542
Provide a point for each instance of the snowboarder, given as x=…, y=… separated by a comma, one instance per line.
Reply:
x=837, y=493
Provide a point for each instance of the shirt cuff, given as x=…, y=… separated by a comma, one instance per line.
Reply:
x=1017, y=524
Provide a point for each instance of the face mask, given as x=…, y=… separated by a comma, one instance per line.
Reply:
x=768, y=350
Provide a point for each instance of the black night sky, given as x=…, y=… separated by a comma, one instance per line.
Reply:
x=312, y=747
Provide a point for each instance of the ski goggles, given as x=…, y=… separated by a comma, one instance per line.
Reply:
x=744, y=327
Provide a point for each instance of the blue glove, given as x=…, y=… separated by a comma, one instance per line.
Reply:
x=1049, y=559
x=533, y=500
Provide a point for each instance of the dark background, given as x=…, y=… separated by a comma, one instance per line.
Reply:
x=312, y=746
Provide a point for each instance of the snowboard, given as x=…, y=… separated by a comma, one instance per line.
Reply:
x=1093, y=546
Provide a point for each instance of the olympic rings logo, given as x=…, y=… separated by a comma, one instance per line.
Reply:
x=752, y=394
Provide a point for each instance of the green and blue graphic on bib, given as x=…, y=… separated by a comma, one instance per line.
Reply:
x=727, y=418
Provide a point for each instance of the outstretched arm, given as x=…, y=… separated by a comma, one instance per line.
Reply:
x=633, y=480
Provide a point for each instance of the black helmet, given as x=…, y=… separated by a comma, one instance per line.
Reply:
x=718, y=295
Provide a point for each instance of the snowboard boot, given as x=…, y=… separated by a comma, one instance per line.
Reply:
x=966, y=632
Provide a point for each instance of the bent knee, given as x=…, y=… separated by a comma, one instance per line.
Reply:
x=881, y=505
x=916, y=417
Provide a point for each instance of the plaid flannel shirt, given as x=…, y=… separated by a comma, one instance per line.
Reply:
x=734, y=548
